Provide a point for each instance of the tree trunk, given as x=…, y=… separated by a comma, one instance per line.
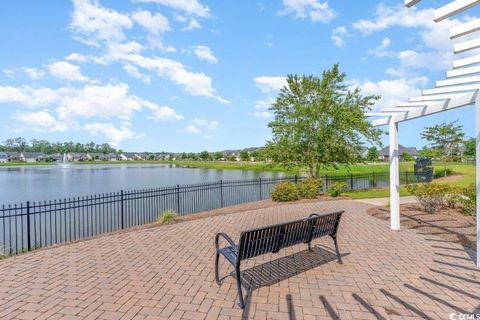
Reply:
x=445, y=168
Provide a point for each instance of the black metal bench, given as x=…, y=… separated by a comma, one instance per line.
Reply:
x=273, y=238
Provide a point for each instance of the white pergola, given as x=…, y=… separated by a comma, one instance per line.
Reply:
x=460, y=88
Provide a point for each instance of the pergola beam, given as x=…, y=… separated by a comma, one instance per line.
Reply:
x=451, y=89
x=398, y=115
x=466, y=45
x=465, y=28
x=466, y=61
x=457, y=81
x=463, y=72
x=411, y=3
x=436, y=97
x=453, y=8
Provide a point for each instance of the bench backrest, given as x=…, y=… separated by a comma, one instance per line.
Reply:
x=271, y=239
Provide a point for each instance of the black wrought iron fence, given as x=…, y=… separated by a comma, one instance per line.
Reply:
x=31, y=225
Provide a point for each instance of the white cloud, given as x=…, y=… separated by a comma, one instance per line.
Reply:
x=192, y=129
x=338, y=36
x=28, y=96
x=76, y=57
x=104, y=101
x=435, y=47
x=192, y=25
x=113, y=134
x=316, y=10
x=165, y=114
x=95, y=23
x=269, y=84
x=196, y=84
x=206, y=123
x=264, y=103
x=66, y=71
x=154, y=24
x=204, y=53
x=381, y=50
x=392, y=91
x=262, y=114
x=34, y=73
x=190, y=7
x=40, y=121
x=134, y=72
x=436, y=60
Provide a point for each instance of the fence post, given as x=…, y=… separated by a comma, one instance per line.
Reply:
x=29, y=238
x=351, y=181
x=178, y=199
x=260, y=180
x=221, y=193
x=325, y=185
x=296, y=179
x=122, y=210
x=374, y=182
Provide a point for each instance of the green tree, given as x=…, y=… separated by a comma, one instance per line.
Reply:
x=444, y=138
x=320, y=123
x=218, y=155
x=469, y=146
x=244, y=155
x=204, y=155
x=372, y=154
x=405, y=156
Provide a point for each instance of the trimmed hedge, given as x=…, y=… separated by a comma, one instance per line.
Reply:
x=337, y=189
x=309, y=189
x=285, y=191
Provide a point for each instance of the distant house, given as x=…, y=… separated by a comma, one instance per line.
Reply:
x=57, y=157
x=122, y=157
x=32, y=156
x=384, y=154
x=133, y=156
x=3, y=157
x=13, y=156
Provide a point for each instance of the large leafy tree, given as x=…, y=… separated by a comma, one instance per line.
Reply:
x=319, y=122
x=445, y=139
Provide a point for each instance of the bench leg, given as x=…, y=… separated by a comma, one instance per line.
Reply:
x=239, y=287
x=339, y=257
x=217, y=276
x=310, y=246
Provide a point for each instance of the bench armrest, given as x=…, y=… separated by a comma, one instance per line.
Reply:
x=227, y=238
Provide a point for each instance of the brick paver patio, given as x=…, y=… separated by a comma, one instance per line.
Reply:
x=167, y=272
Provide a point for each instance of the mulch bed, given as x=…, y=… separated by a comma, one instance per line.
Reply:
x=448, y=224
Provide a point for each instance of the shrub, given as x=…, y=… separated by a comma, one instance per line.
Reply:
x=285, y=191
x=440, y=173
x=337, y=189
x=469, y=201
x=167, y=217
x=454, y=196
x=430, y=195
x=309, y=189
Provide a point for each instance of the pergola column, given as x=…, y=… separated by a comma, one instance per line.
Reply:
x=477, y=160
x=394, y=176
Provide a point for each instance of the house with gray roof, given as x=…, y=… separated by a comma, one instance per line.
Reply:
x=384, y=154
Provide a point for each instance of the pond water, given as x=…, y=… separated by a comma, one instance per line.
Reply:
x=34, y=183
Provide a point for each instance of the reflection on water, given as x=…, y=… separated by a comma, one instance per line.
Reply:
x=34, y=183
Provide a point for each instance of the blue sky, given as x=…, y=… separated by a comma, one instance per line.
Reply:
x=189, y=75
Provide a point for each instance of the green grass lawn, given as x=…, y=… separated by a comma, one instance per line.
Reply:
x=17, y=164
